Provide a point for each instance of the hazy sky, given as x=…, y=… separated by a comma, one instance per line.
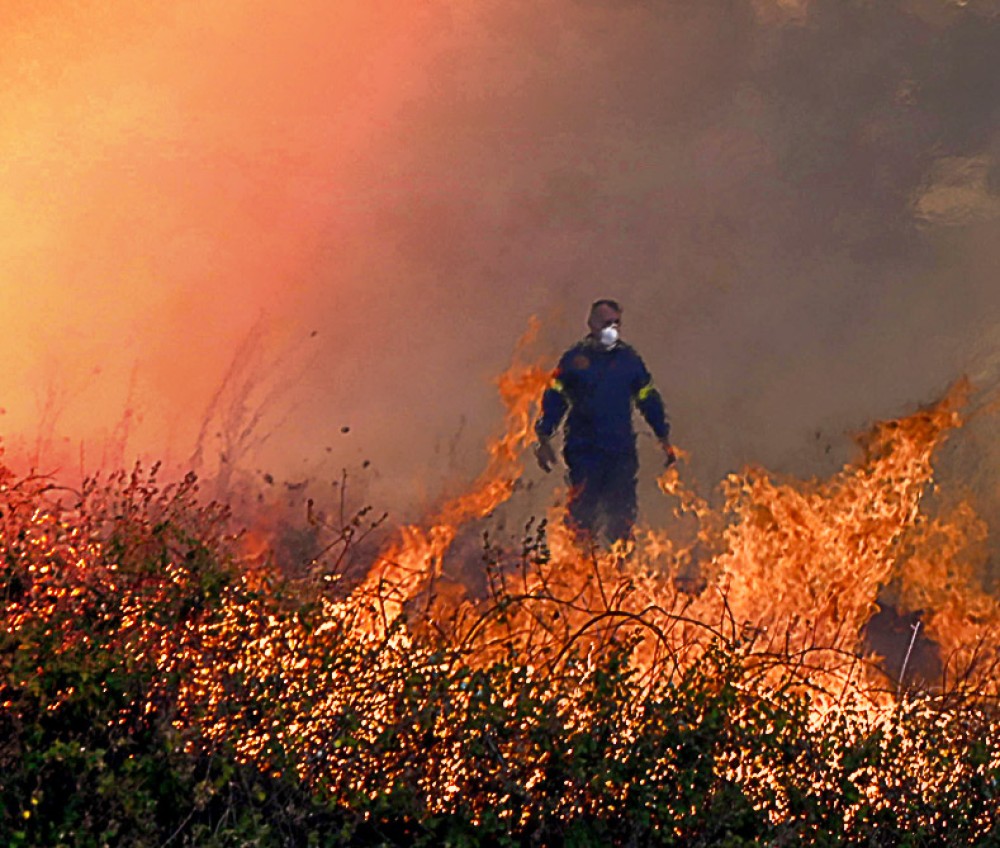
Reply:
x=797, y=202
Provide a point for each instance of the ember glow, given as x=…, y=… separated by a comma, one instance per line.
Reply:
x=792, y=571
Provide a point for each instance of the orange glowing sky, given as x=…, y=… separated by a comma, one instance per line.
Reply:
x=171, y=172
x=802, y=244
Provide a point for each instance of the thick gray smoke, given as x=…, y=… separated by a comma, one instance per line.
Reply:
x=798, y=204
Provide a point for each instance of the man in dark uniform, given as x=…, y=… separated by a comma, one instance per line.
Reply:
x=596, y=382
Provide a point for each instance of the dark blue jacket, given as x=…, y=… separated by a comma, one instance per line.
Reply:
x=598, y=387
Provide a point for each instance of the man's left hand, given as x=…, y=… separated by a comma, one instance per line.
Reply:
x=669, y=452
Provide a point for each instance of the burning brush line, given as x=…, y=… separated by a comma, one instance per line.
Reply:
x=389, y=690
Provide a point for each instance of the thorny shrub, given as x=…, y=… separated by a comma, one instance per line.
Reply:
x=156, y=692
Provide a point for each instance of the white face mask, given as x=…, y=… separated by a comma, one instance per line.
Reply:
x=609, y=336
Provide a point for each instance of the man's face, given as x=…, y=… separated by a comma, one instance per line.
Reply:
x=601, y=317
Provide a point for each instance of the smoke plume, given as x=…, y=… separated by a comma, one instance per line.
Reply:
x=306, y=236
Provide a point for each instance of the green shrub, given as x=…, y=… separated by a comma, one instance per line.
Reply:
x=155, y=694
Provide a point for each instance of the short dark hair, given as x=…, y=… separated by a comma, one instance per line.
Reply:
x=606, y=301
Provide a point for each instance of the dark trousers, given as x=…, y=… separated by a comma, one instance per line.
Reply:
x=602, y=490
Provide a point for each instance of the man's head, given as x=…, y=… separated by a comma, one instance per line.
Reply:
x=604, y=321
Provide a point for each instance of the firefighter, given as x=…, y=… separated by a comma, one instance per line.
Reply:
x=596, y=383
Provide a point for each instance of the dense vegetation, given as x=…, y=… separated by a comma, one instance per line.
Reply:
x=157, y=690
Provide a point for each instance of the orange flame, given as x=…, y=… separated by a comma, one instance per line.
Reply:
x=410, y=564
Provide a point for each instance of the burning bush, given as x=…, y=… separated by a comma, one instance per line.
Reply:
x=162, y=687
x=155, y=692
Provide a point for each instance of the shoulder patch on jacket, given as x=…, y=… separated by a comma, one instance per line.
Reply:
x=581, y=362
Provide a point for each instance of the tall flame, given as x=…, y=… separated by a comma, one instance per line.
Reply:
x=410, y=564
x=799, y=564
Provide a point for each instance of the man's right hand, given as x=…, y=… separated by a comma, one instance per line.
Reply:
x=545, y=455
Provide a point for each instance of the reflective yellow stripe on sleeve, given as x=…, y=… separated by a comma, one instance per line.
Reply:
x=645, y=392
x=558, y=386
